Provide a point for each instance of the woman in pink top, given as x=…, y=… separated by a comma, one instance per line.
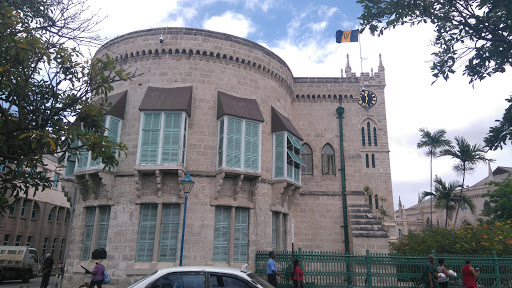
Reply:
x=298, y=276
x=97, y=275
x=469, y=274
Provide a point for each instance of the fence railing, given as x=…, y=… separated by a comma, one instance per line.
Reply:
x=337, y=269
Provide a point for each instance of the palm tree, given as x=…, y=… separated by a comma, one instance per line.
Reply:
x=447, y=198
x=468, y=157
x=433, y=142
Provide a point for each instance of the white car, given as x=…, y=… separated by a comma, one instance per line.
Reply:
x=202, y=277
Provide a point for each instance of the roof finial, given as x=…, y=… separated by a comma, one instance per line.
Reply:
x=491, y=175
x=399, y=202
x=348, y=70
x=381, y=67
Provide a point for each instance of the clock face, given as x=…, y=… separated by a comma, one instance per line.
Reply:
x=367, y=99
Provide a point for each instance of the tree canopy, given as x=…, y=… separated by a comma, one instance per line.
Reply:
x=499, y=135
x=49, y=90
x=476, y=34
x=500, y=199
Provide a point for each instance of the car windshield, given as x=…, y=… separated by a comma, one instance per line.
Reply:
x=259, y=280
x=142, y=280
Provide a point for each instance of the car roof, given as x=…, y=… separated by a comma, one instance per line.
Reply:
x=216, y=269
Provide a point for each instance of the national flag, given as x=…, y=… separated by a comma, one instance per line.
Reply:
x=347, y=36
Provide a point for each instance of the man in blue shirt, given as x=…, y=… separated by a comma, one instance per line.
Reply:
x=271, y=269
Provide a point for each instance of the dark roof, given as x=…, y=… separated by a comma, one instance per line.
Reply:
x=118, y=101
x=239, y=107
x=168, y=99
x=282, y=123
x=499, y=174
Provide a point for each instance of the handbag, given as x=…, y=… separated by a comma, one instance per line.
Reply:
x=106, y=277
x=460, y=281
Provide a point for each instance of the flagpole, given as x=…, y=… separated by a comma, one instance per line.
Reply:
x=360, y=54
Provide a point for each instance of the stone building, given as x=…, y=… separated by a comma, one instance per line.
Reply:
x=262, y=146
x=40, y=221
x=417, y=217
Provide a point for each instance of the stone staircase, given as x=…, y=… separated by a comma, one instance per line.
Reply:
x=364, y=223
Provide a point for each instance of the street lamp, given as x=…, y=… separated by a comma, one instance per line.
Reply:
x=186, y=185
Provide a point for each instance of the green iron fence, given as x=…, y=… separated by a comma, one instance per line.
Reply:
x=337, y=269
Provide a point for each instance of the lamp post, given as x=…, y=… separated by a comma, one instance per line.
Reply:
x=186, y=185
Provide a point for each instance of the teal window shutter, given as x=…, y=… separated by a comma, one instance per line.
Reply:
x=184, y=149
x=220, y=148
x=89, y=227
x=369, y=134
x=150, y=138
x=241, y=237
x=275, y=217
x=234, y=143
x=221, y=234
x=169, y=231
x=171, y=138
x=83, y=158
x=103, y=229
x=279, y=155
x=251, y=146
x=147, y=228
x=55, y=180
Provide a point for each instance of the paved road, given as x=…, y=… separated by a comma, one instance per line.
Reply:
x=33, y=283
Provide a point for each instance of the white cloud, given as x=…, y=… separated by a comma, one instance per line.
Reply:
x=326, y=12
x=317, y=27
x=263, y=5
x=231, y=23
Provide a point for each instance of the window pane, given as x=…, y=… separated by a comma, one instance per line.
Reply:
x=103, y=227
x=150, y=138
x=241, y=237
x=221, y=234
x=362, y=137
x=283, y=232
x=226, y=281
x=369, y=134
x=307, y=158
x=171, y=138
x=367, y=162
x=373, y=160
x=328, y=160
x=89, y=227
x=234, y=143
x=146, y=239
x=169, y=231
x=180, y=280
x=375, y=136
x=251, y=146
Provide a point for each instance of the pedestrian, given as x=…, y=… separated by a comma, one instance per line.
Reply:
x=97, y=275
x=469, y=273
x=271, y=270
x=46, y=270
x=298, y=276
x=443, y=274
x=429, y=274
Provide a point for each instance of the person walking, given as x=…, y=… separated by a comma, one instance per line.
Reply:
x=298, y=276
x=271, y=270
x=46, y=270
x=97, y=275
x=443, y=274
x=469, y=274
x=429, y=274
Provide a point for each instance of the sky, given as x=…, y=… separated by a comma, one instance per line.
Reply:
x=302, y=33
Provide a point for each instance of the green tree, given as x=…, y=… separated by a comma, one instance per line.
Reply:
x=46, y=85
x=447, y=198
x=468, y=156
x=473, y=33
x=499, y=135
x=500, y=200
x=433, y=142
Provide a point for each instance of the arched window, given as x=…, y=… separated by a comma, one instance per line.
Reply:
x=370, y=201
x=328, y=160
x=307, y=158
x=35, y=211
x=375, y=136
x=428, y=222
x=367, y=162
x=369, y=134
x=399, y=233
x=362, y=136
x=373, y=160
x=50, y=215
x=376, y=202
